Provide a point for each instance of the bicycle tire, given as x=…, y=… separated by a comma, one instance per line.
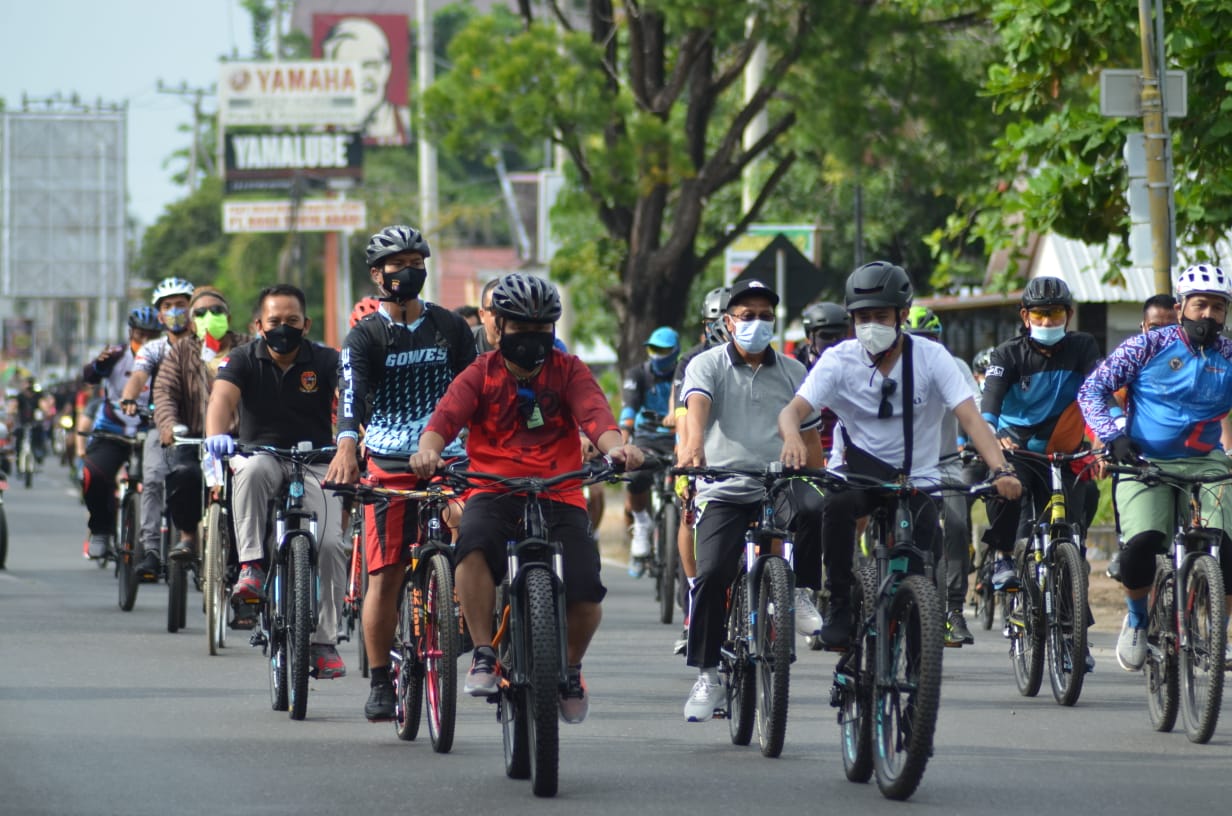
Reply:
x=776, y=631
x=905, y=710
x=214, y=567
x=669, y=526
x=1026, y=629
x=177, y=594
x=856, y=702
x=359, y=619
x=543, y=673
x=1162, y=689
x=1200, y=661
x=130, y=541
x=1067, y=628
x=275, y=632
x=300, y=624
x=441, y=642
x=409, y=684
x=985, y=595
x=741, y=679
x=514, y=737
x=4, y=538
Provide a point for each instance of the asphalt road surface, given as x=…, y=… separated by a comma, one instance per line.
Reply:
x=103, y=712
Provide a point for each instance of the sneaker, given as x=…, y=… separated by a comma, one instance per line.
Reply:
x=1003, y=575
x=706, y=696
x=1131, y=647
x=326, y=662
x=639, y=547
x=836, y=633
x=149, y=566
x=184, y=550
x=682, y=644
x=808, y=619
x=574, y=700
x=380, y=705
x=251, y=583
x=637, y=566
x=484, y=677
x=98, y=545
x=956, y=631
x=1114, y=566
x=1089, y=662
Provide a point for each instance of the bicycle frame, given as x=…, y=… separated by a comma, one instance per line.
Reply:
x=534, y=548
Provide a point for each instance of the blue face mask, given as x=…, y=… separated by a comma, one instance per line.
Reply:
x=753, y=336
x=1047, y=335
x=664, y=364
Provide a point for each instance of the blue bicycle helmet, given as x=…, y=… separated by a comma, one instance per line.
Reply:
x=145, y=318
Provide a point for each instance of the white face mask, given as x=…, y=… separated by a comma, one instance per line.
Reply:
x=876, y=337
x=753, y=336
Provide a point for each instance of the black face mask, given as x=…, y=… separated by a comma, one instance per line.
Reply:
x=526, y=350
x=405, y=284
x=1202, y=332
x=284, y=339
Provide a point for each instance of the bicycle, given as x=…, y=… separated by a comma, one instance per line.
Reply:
x=129, y=518
x=357, y=587
x=1047, y=620
x=759, y=641
x=664, y=562
x=530, y=627
x=1185, y=641
x=427, y=641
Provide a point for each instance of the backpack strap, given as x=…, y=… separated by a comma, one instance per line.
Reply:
x=908, y=376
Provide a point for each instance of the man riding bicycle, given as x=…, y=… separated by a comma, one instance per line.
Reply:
x=824, y=325
x=1179, y=386
x=524, y=405
x=395, y=365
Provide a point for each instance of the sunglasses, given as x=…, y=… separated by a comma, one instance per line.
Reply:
x=748, y=317
x=217, y=309
x=888, y=387
x=1049, y=313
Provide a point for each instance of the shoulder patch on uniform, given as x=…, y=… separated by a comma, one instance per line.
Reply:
x=994, y=371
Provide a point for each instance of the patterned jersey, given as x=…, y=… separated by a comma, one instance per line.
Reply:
x=392, y=375
x=1176, y=395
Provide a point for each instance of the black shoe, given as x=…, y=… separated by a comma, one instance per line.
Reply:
x=956, y=631
x=380, y=705
x=182, y=551
x=149, y=568
x=836, y=633
x=1114, y=566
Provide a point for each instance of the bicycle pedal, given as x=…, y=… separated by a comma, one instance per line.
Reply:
x=953, y=644
x=257, y=639
x=719, y=714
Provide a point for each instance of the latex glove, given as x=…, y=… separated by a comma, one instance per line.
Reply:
x=220, y=445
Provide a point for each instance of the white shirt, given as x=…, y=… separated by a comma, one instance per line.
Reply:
x=843, y=381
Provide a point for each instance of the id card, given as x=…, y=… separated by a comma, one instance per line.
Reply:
x=535, y=419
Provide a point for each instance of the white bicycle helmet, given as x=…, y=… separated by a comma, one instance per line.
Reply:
x=171, y=286
x=1203, y=279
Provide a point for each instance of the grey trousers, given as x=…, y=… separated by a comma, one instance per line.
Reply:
x=956, y=527
x=154, y=467
x=257, y=481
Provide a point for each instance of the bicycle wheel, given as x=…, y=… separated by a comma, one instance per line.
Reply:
x=985, y=596
x=299, y=589
x=277, y=636
x=776, y=631
x=741, y=680
x=1162, y=693
x=214, y=567
x=4, y=537
x=1025, y=622
x=543, y=649
x=440, y=653
x=1200, y=662
x=514, y=737
x=359, y=617
x=908, y=690
x=126, y=560
x=409, y=686
x=177, y=595
x=669, y=525
x=855, y=689
x=25, y=462
x=1067, y=626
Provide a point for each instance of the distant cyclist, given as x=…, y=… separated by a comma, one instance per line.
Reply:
x=824, y=325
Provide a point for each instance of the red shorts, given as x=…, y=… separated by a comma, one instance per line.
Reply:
x=390, y=528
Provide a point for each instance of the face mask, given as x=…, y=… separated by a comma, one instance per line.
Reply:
x=754, y=335
x=213, y=325
x=526, y=350
x=1202, y=332
x=876, y=337
x=1047, y=335
x=284, y=339
x=404, y=284
x=663, y=364
x=176, y=320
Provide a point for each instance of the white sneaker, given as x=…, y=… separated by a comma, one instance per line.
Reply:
x=99, y=544
x=1131, y=647
x=705, y=697
x=808, y=619
x=639, y=547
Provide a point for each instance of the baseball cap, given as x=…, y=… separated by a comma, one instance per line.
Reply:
x=750, y=288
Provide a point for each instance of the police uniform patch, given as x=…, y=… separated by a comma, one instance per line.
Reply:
x=308, y=382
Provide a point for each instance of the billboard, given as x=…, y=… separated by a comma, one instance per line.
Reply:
x=312, y=215
x=757, y=237
x=62, y=204
x=302, y=93
x=275, y=161
x=18, y=338
x=381, y=45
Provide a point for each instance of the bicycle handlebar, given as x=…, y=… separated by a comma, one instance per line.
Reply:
x=371, y=494
x=835, y=480
x=1151, y=472
x=599, y=470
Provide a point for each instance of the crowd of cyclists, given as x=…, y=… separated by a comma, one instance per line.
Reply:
x=871, y=390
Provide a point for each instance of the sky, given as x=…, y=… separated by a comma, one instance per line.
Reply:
x=118, y=51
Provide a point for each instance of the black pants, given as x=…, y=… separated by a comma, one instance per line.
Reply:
x=183, y=486
x=103, y=460
x=1006, y=519
x=838, y=530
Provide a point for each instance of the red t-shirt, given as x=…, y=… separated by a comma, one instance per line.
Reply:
x=484, y=398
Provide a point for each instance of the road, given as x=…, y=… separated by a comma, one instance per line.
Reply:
x=104, y=712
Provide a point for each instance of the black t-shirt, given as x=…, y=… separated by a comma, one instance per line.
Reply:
x=281, y=408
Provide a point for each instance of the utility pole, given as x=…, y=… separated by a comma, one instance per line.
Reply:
x=1158, y=187
x=196, y=156
x=429, y=196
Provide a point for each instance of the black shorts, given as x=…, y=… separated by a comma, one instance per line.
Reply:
x=640, y=481
x=492, y=519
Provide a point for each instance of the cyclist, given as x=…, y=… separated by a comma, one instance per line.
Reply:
x=923, y=322
x=861, y=381
x=104, y=457
x=646, y=393
x=487, y=337
x=28, y=401
x=824, y=325
x=170, y=298
x=1030, y=389
x=1179, y=386
x=394, y=367
x=524, y=406
x=283, y=387
x=979, y=366
x=181, y=394
x=731, y=392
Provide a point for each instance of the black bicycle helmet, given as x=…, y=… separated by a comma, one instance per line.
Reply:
x=395, y=239
x=715, y=303
x=145, y=318
x=523, y=297
x=1046, y=291
x=982, y=359
x=878, y=285
x=825, y=317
